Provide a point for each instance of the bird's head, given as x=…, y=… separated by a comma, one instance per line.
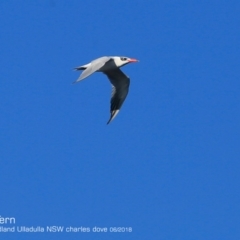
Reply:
x=121, y=61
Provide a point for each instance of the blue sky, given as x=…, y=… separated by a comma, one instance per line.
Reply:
x=168, y=165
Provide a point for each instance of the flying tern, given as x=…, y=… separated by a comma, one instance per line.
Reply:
x=120, y=82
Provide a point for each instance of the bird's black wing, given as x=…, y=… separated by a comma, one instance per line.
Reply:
x=120, y=85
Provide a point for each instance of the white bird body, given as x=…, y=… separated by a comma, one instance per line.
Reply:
x=120, y=82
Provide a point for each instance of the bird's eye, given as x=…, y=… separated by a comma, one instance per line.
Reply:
x=123, y=58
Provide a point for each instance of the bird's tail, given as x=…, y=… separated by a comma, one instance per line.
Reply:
x=83, y=67
x=79, y=68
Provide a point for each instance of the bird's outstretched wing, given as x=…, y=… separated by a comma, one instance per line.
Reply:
x=120, y=83
x=93, y=67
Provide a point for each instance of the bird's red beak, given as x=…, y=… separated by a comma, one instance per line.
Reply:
x=133, y=60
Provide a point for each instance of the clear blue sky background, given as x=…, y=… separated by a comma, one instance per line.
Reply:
x=168, y=165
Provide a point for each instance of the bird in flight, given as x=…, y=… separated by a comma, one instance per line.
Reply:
x=120, y=82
